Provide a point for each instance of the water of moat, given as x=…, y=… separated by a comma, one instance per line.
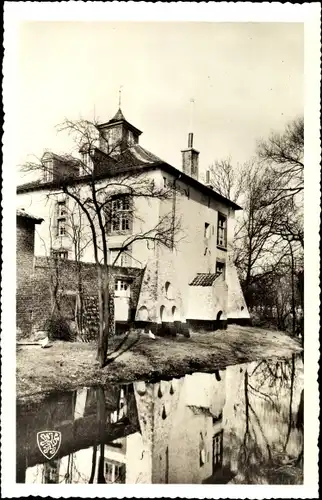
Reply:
x=241, y=425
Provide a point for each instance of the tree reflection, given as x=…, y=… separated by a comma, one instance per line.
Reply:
x=101, y=415
x=91, y=477
x=263, y=456
x=251, y=455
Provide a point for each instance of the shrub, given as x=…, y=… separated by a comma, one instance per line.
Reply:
x=59, y=329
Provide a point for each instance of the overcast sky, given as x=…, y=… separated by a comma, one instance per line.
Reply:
x=246, y=79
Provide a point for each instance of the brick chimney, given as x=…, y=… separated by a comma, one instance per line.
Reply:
x=190, y=159
x=208, y=183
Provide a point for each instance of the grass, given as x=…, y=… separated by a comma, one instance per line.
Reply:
x=66, y=365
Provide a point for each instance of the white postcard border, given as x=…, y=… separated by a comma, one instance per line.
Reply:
x=309, y=13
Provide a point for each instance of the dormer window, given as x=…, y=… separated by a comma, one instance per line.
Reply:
x=105, y=141
x=130, y=138
x=87, y=165
x=48, y=170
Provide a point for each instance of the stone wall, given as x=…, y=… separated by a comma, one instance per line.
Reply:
x=24, y=266
x=46, y=274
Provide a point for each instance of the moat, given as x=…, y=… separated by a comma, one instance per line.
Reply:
x=242, y=424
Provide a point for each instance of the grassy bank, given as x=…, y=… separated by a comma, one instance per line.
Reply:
x=66, y=365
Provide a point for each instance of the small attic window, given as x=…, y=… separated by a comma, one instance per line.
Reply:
x=87, y=163
x=48, y=165
x=130, y=138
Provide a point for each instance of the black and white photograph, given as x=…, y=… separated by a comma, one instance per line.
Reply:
x=162, y=313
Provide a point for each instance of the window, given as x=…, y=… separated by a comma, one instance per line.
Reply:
x=48, y=170
x=123, y=260
x=87, y=166
x=222, y=231
x=122, y=285
x=114, y=472
x=61, y=218
x=121, y=214
x=217, y=451
x=105, y=141
x=220, y=268
x=51, y=472
x=207, y=230
x=61, y=208
x=60, y=254
x=130, y=138
x=61, y=227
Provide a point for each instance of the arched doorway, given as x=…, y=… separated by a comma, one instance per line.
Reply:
x=143, y=314
x=174, y=313
x=162, y=308
x=219, y=315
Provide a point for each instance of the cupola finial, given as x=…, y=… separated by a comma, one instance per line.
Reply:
x=192, y=104
x=120, y=96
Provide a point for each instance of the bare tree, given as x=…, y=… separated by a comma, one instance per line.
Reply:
x=269, y=236
x=226, y=179
x=80, y=238
x=284, y=153
x=104, y=179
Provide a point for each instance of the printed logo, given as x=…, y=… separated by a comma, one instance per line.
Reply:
x=49, y=443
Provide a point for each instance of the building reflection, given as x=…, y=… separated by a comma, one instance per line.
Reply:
x=166, y=432
x=181, y=429
x=198, y=429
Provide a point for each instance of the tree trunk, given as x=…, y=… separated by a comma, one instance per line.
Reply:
x=104, y=314
x=290, y=413
x=79, y=303
x=91, y=479
x=101, y=414
x=101, y=311
x=246, y=401
x=293, y=291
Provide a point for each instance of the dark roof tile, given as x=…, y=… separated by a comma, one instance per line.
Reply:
x=204, y=279
x=25, y=215
x=118, y=117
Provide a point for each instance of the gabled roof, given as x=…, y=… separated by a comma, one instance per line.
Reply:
x=204, y=279
x=22, y=213
x=137, y=155
x=134, y=159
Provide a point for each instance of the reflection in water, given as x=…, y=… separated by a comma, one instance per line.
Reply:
x=240, y=425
